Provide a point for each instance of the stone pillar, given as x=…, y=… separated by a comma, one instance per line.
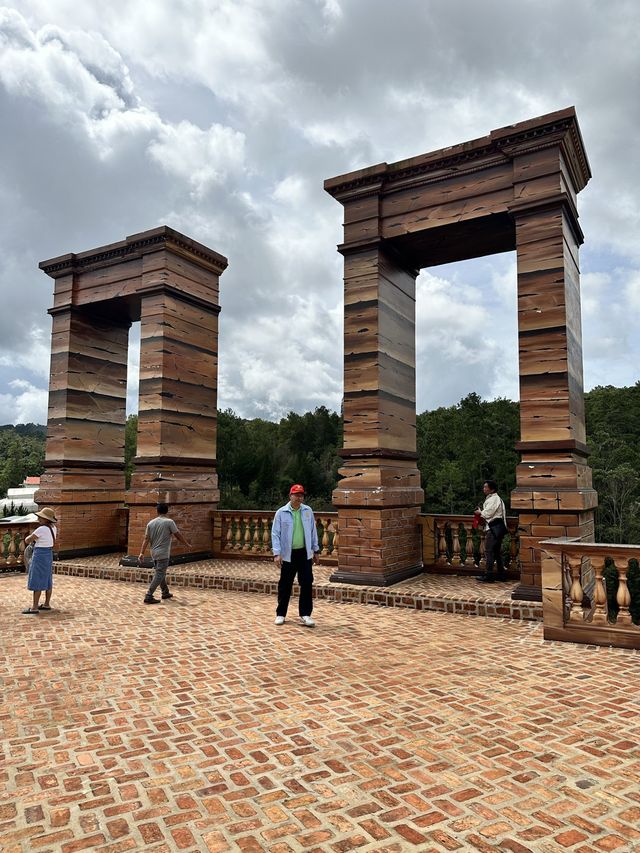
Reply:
x=553, y=495
x=83, y=479
x=379, y=496
x=171, y=284
x=177, y=419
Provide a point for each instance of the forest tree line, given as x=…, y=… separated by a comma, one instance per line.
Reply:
x=459, y=447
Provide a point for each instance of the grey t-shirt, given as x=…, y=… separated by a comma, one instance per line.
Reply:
x=159, y=531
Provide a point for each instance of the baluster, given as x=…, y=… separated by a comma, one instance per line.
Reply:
x=482, y=561
x=600, y=615
x=256, y=539
x=237, y=533
x=455, y=536
x=11, y=557
x=21, y=547
x=467, y=557
x=442, y=545
x=576, y=594
x=325, y=537
x=246, y=546
x=623, y=597
x=336, y=530
x=228, y=534
x=266, y=536
x=3, y=556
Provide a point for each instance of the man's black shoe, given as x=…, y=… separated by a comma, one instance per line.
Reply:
x=152, y=601
x=167, y=595
x=484, y=579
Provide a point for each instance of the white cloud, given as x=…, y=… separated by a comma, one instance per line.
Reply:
x=201, y=158
x=25, y=403
x=225, y=121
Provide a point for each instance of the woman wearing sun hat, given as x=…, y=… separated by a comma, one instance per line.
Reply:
x=40, y=577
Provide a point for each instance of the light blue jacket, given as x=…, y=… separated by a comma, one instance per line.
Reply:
x=282, y=532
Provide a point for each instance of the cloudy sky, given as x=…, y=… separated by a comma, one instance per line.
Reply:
x=222, y=118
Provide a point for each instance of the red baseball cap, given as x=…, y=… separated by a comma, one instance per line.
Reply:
x=296, y=489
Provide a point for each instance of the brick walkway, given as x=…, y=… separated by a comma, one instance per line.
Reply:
x=197, y=725
x=447, y=593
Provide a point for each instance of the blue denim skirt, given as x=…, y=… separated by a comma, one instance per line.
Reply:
x=41, y=570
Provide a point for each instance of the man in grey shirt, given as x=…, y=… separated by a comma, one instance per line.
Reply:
x=158, y=534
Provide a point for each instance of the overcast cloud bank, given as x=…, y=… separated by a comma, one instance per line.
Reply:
x=224, y=121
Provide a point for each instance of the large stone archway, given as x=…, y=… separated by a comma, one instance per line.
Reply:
x=514, y=189
x=170, y=284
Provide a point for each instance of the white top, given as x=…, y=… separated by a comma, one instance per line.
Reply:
x=493, y=508
x=44, y=536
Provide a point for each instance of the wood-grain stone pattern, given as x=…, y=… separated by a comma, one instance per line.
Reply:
x=171, y=284
x=379, y=496
x=84, y=477
x=514, y=189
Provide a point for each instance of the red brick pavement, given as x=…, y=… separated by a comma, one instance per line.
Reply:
x=197, y=725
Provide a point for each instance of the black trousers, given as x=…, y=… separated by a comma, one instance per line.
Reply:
x=493, y=549
x=302, y=567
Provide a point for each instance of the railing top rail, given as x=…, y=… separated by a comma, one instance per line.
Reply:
x=443, y=516
x=232, y=513
x=570, y=545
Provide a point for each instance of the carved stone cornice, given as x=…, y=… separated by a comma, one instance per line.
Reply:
x=133, y=247
x=559, y=128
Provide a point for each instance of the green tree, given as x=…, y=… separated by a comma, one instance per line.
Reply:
x=130, y=447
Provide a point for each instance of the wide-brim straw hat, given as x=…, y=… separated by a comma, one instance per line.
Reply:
x=47, y=513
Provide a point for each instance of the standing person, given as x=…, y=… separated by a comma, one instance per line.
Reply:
x=158, y=533
x=294, y=540
x=40, y=577
x=495, y=516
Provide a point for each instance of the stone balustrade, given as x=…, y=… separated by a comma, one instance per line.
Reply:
x=12, y=536
x=591, y=592
x=246, y=534
x=450, y=544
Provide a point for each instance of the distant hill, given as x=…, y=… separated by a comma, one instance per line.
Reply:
x=26, y=429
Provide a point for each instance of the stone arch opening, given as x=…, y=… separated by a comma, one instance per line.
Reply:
x=515, y=189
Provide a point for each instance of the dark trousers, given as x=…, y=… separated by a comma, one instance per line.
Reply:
x=493, y=549
x=159, y=579
x=302, y=567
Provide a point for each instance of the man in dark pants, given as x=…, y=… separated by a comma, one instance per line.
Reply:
x=158, y=534
x=294, y=540
x=495, y=516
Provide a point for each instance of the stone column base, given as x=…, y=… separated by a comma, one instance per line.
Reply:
x=89, y=518
x=190, y=508
x=379, y=546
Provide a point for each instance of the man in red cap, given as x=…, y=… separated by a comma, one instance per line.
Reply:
x=294, y=540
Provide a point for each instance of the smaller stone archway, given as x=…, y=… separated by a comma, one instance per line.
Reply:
x=515, y=189
x=169, y=283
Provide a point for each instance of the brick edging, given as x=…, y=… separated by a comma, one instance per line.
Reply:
x=341, y=593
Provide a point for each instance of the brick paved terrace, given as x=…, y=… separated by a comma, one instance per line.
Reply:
x=197, y=725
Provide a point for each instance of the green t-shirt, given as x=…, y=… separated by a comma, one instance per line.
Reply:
x=298, y=531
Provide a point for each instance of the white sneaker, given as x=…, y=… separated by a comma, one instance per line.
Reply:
x=279, y=620
x=308, y=621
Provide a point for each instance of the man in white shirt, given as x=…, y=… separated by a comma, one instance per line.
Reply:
x=495, y=516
